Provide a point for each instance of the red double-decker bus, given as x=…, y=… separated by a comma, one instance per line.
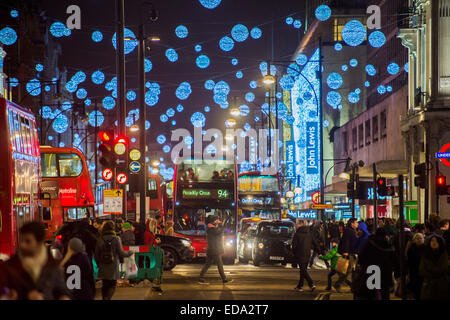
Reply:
x=203, y=188
x=19, y=173
x=66, y=187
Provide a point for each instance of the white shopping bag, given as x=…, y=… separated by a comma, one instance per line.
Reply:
x=131, y=269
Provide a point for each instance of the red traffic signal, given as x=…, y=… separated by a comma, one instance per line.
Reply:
x=382, y=187
x=441, y=185
x=105, y=136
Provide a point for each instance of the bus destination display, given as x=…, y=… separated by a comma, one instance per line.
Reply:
x=220, y=194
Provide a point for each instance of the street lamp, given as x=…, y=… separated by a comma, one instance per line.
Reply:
x=235, y=112
x=269, y=79
x=134, y=128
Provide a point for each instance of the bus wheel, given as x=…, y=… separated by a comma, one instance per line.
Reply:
x=256, y=262
x=228, y=261
x=170, y=259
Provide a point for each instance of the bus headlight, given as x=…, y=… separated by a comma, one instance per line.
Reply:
x=249, y=245
x=186, y=243
x=230, y=243
x=260, y=245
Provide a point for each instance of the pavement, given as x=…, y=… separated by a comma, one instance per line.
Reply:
x=266, y=282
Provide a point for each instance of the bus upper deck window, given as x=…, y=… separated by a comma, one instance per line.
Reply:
x=48, y=165
x=70, y=165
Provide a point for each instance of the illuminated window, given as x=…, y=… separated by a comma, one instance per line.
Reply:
x=70, y=165
x=48, y=165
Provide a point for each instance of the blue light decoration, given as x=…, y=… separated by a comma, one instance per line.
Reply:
x=39, y=67
x=13, y=82
x=8, y=36
x=164, y=118
x=353, y=97
x=406, y=67
x=367, y=84
x=381, y=89
x=358, y=90
x=47, y=88
x=282, y=110
x=334, y=81
x=87, y=102
x=183, y=91
x=181, y=31
x=202, y=61
x=250, y=97
x=297, y=24
x=247, y=126
x=293, y=70
x=61, y=123
x=239, y=33
x=265, y=107
x=354, y=33
x=171, y=55
x=289, y=120
x=108, y=103
x=198, y=48
x=306, y=133
x=166, y=148
x=46, y=112
x=244, y=110
x=161, y=139
x=151, y=99
x=221, y=99
x=289, y=20
x=209, y=84
x=14, y=13
x=147, y=65
x=326, y=123
x=130, y=44
x=180, y=108
x=66, y=105
x=198, y=119
x=79, y=77
x=234, y=61
x=81, y=93
x=57, y=29
x=147, y=124
x=256, y=33
x=97, y=36
x=210, y=4
x=131, y=95
x=133, y=140
x=189, y=140
x=344, y=67
x=338, y=46
x=34, y=87
x=207, y=109
x=353, y=63
x=174, y=123
x=334, y=99
x=226, y=44
x=98, y=77
x=62, y=144
x=393, y=68
x=253, y=84
x=389, y=89
x=222, y=87
x=370, y=69
x=279, y=95
x=50, y=138
x=377, y=39
x=239, y=75
x=323, y=12
x=98, y=115
x=286, y=83
x=170, y=112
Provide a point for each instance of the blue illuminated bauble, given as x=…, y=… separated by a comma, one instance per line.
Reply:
x=87, y=102
x=114, y=94
x=326, y=123
x=279, y=95
x=62, y=144
x=151, y=99
x=253, y=84
x=161, y=139
x=389, y=89
x=174, y=123
x=131, y=95
x=250, y=97
x=61, y=123
x=289, y=20
x=81, y=93
x=166, y=149
x=164, y=118
x=39, y=67
x=171, y=55
x=98, y=77
x=307, y=95
x=34, y=87
x=239, y=33
x=8, y=36
x=381, y=89
x=183, y=91
x=198, y=48
x=209, y=84
x=14, y=13
x=354, y=33
x=367, y=84
x=147, y=124
x=289, y=120
x=97, y=36
x=301, y=59
x=147, y=65
x=393, y=68
x=79, y=77
x=244, y=110
x=234, y=61
x=247, y=126
x=92, y=118
x=207, y=109
x=170, y=112
x=293, y=70
x=133, y=140
x=57, y=29
x=334, y=98
x=334, y=80
x=256, y=33
x=406, y=67
x=344, y=67
x=353, y=97
x=50, y=138
x=323, y=12
x=358, y=90
x=13, y=82
x=154, y=88
x=198, y=119
x=265, y=107
x=377, y=39
x=222, y=87
x=129, y=44
x=129, y=121
x=338, y=47
x=66, y=105
x=297, y=24
x=226, y=44
x=188, y=140
x=353, y=62
x=181, y=31
x=370, y=69
x=180, y=108
x=287, y=83
x=220, y=98
x=67, y=32
x=108, y=103
x=46, y=112
x=210, y=4
x=239, y=74
x=282, y=110
x=202, y=61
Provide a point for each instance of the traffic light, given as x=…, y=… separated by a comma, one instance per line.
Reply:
x=421, y=179
x=106, y=149
x=382, y=188
x=390, y=191
x=441, y=185
x=351, y=187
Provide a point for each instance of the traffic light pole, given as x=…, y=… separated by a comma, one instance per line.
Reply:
x=142, y=118
x=402, y=238
x=353, y=190
x=437, y=193
x=375, y=196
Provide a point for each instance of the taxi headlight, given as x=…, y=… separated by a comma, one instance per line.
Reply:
x=260, y=245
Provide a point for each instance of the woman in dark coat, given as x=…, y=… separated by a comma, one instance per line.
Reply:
x=434, y=270
x=414, y=253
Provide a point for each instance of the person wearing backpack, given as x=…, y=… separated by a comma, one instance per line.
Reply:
x=108, y=254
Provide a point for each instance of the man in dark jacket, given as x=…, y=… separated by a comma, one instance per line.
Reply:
x=301, y=245
x=32, y=273
x=214, y=237
x=347, y=248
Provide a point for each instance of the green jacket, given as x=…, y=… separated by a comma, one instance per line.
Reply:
x=332, y=255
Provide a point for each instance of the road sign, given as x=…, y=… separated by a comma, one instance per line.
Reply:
x=122, y=178
x=316, y=197
x=444, y=155
x=112, y=201
x=107, y=174
x=135, y=154
x=120, y=148
x=321, y=206
x=135, y=167
x=120, y=161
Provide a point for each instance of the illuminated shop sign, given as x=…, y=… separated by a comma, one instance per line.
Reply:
x=303, y=214
x=312, y=148
x=290, y=159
